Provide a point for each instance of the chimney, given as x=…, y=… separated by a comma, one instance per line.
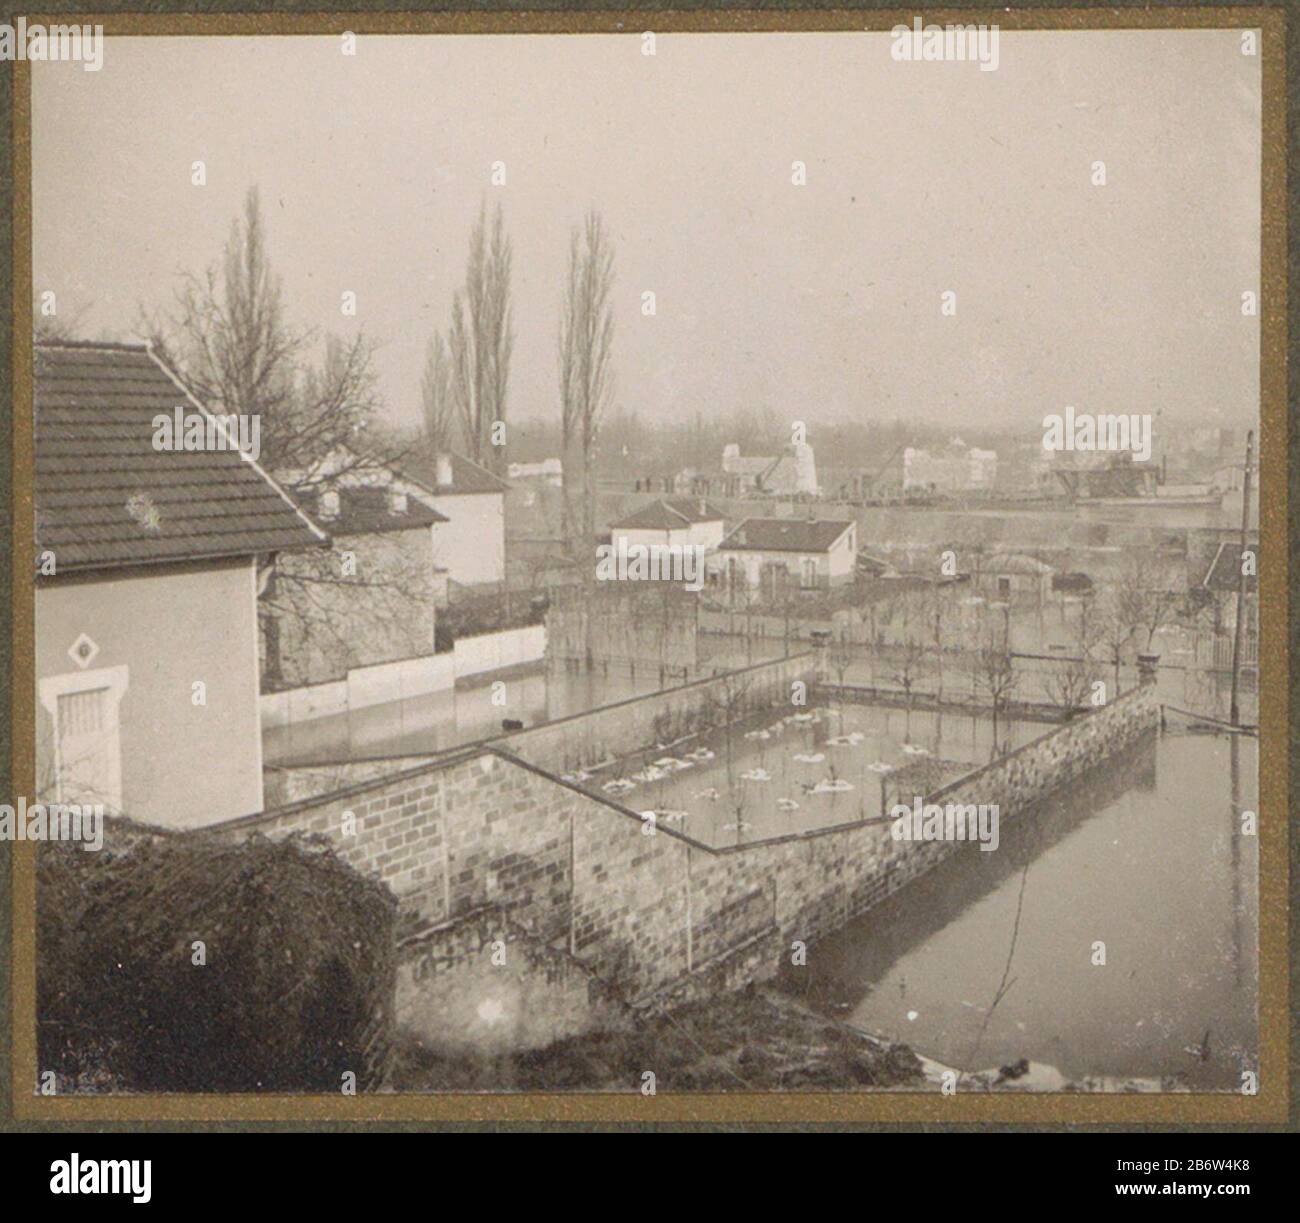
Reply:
x=396, y=500
x=444, y=471
x=329, y=503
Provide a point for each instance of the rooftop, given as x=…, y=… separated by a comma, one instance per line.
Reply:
x=106, y=498
x=366, y=511
x=466, y=475
x=785, y=535
x=670, y=515
x=1225, y=569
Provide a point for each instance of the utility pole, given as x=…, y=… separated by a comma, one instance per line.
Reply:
x=1239, y=625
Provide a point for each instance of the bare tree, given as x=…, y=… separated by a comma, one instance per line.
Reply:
x=994, y=675
x=481, y=340
x=728, y=702
x=228, y=338
x=436, y=396
x=1111, y=620
x=911, y=659
x=586, y=379
x=1068, y=686
x=840, y=658
x=1148, y=597
x=933, y=604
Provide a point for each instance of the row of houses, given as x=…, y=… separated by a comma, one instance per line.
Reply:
x=152, y=571
x=813, y=554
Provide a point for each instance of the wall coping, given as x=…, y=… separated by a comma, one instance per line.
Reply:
x=492, y=747
x=628, y=700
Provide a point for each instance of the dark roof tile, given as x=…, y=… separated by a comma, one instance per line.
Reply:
x=785, y=535
x=466, y=475
x=106, y=498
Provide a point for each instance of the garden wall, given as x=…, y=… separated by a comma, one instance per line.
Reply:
x=647, y=909
x=568, y=744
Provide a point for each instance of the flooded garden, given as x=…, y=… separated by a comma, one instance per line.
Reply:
x=773, y=773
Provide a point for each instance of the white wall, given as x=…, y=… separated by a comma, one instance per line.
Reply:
x=707, y=535
x=843, y=556
x=640, y=535
x=472, y=545
x=160, y=631
x=494, y=651
x=410, y=677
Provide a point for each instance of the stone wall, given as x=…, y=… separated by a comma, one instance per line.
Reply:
x=482, y=983
x=318, y=622
x=649, y=910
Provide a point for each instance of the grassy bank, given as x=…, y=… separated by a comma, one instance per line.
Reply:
x=756, y=1040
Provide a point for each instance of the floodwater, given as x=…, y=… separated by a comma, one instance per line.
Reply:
x=772, y=775
x=442, y=720
x=989, y=958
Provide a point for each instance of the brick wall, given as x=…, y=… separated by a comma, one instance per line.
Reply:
x=481, y=982
x=645, y=912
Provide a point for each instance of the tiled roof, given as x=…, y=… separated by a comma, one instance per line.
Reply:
x=364, y=511
x=466, y=475
x=1017, y=563
x=106, y=498
x=785, y=535
x=1225, y=568
x=695, y=509
x=672, y=515
x=867, y=563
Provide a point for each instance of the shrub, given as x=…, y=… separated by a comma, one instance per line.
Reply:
x=295, y=988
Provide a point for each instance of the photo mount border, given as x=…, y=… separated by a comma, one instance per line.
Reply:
x=1278, y=758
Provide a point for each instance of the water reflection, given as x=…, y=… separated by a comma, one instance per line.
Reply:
x=448, y=719
x=989, y=958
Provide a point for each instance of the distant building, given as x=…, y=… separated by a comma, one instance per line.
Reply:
x=814, y=554
x=548, y=471
x=793, y=472
x=680, y=520
x=983, y=468
x=1013, y=576
x=1118, y=478
x=473, y=543
x=953, y=469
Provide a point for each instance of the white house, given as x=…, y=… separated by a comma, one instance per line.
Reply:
x=548, y=471
x=792, y=472
x=814, y=553
x=678, y=521
x=148, y=564
x=473, y=542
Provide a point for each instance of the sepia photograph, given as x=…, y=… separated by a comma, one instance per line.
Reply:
x=644, y=562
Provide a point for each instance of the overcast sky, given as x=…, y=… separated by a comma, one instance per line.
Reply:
x=821, y=301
